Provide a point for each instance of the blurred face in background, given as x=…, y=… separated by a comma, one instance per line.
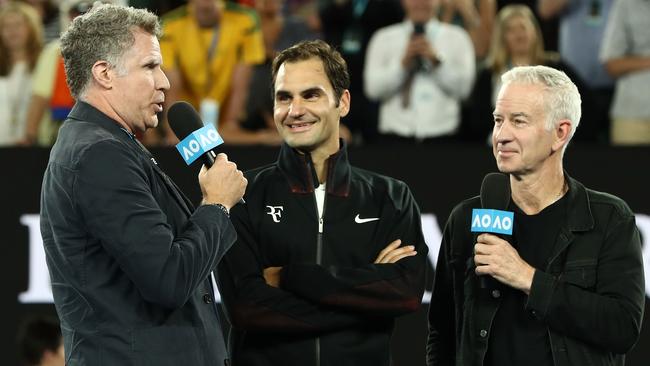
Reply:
x=519, y=35
x=15, y=31
x=207, y=12
x=268, y=7
x=420, y=11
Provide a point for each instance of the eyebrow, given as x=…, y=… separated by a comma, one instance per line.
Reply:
x=152, y=60
x=284, y=93
x=312, y=90
x=512, y=115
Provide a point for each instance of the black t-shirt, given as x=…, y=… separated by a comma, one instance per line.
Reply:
x=517, y=338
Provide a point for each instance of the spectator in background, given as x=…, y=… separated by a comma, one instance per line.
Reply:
x=582, y=24
x=51, y=100
x=419, y=70
x=209, y=48
x=475, y=16
x=40, y=342
x=256, y=126
x=626, y=54
x=48, y=11
x=348, y=25
x=517, y=41
x=307, y=10
x=20, y=44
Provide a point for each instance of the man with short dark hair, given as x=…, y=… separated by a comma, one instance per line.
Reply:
x=40, y=342
x=129, y=257
x=328, y=255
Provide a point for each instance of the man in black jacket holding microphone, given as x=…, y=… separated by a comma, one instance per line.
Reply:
x=130, y=259
x=567, y=288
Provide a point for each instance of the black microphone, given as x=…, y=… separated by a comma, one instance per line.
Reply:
x=183, y=119
x=420, y=63
x=495, y=195
x=495, y=191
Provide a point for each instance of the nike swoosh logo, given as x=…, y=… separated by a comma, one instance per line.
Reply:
x=359, y=220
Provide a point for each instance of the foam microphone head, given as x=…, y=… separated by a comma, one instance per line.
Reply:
x=495, y=195
x=183, y=119
x=495, y=191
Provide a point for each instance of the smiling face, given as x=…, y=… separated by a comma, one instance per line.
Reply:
x=138, y=86
x=306, y=111
x=521, y=142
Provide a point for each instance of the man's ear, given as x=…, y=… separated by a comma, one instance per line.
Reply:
x=561, y=134
x=103, y=74
x=344, y=103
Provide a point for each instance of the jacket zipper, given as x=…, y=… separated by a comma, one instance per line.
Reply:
x=319, y=257
x=319, y=237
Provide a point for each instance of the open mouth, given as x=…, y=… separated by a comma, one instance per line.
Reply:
x=300, y=126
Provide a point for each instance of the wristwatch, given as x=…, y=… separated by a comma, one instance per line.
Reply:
x=221, y=207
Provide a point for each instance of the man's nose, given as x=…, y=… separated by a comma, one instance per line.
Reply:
x=502, y=132
x=162, y=82
x=296, y=108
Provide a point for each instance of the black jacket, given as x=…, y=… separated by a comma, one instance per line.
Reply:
x=334, y=306
x=128, y=256
x=590, y=295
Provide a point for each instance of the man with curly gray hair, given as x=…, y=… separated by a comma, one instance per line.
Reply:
x=129, y=257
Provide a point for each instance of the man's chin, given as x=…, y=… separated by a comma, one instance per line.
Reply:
x=152, y=124
x=304, y=146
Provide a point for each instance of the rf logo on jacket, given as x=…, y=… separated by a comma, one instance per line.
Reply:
x=275, y=212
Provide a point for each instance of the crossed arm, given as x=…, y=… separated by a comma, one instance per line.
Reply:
x=307, y=298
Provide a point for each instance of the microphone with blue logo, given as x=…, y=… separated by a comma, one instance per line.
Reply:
x=196, y=139
x=493, y=218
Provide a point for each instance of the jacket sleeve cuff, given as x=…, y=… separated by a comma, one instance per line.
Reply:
x=541, y=292
x=210, y=216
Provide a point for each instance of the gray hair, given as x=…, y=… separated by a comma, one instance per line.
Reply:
x=561, y=97
x=105, y=33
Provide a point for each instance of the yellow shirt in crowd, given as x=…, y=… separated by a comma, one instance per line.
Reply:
x=185, y=46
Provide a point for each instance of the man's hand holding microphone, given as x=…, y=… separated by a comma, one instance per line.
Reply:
x=222, y=183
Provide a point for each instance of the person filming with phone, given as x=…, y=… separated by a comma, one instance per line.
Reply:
x=419, y=70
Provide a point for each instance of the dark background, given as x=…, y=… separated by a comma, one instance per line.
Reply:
x=439, y=176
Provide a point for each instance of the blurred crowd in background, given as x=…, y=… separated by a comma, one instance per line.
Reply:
x=422, y=71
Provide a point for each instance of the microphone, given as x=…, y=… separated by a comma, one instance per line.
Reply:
x=492, y=217
x=420, y=63
x=197, y=140
x=184, y=121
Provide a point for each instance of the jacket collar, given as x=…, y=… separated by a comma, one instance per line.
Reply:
x=299, y=172
x=579, y=212
x=83, y=111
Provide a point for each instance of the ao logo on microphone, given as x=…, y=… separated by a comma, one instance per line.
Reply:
x=492, y=221
x=198, y=143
